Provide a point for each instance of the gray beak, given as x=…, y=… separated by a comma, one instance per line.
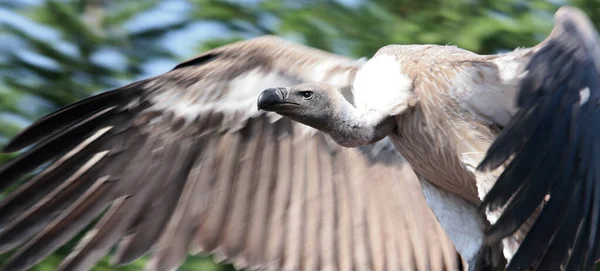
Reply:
x=270, y=98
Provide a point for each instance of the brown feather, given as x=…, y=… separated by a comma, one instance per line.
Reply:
x=32, y=191
x=115, y=223
x=62, y=119
x=51, y=206
x=51, y=147
x=65, y=227
x=82, y=256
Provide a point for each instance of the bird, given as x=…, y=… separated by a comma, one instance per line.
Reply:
x=513, y=134
x=278, y=156
x=183, y=162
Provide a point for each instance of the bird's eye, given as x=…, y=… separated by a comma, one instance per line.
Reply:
x=307, y=94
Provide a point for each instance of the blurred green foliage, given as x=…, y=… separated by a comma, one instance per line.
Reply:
x=41, y=73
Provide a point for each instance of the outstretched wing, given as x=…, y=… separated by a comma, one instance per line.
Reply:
x=552, y=144
x=184, y=162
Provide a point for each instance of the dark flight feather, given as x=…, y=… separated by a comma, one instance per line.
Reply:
x=63, y=118
x=51, y=147
x=555, y=152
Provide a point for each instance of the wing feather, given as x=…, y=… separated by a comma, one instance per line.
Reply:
x=162, y=201
x=294, y=216
x=62, y=119
x=354, y=173
x=51, y=147
x=31, y=192
x=50, y=207
x=65, y=227
x=184, y=163
x=551, y=141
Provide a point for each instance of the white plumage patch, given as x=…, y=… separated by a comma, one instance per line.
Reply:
x=235, y=96
x=584, y=95
x=459, y=219
x=510, y=66
x=381, y=86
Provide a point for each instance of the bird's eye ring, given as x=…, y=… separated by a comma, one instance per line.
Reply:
x=307, y=95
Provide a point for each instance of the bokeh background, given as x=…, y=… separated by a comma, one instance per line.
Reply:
x=55, y=52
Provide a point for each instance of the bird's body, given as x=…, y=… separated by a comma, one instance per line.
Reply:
x=184, y=162
x=442, y=128
x=445, y=128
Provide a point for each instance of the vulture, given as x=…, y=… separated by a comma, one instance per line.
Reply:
x=276, y=156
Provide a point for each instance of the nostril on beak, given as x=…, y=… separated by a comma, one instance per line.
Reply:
x=281, y=92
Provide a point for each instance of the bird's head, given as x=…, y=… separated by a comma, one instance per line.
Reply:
x=313, y=104
x=325, y=108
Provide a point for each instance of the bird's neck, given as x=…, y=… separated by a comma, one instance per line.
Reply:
x=353, y=127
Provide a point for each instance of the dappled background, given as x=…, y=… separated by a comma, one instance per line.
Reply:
x=53, y=53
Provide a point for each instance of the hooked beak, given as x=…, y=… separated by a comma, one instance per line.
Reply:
x=271, y=99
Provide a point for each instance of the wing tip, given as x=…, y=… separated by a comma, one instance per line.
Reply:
x=566, y=12
x=569, y=16
x=67, y=116
x=12, y=146
x=20, y=141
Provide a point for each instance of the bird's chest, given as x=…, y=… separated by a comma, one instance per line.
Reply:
x=445, y=153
